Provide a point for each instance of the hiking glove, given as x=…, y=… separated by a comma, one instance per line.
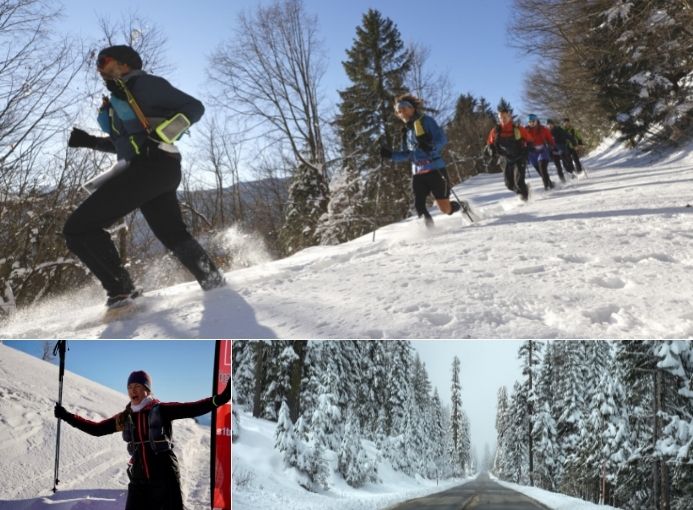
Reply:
x=425, y=146
x=60, y=412
x=79, y=138
x=385, y=152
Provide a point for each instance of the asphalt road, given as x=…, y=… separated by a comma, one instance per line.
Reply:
x=479, y=494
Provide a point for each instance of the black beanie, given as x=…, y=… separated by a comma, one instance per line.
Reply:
x=123, y=54
x=141, y=377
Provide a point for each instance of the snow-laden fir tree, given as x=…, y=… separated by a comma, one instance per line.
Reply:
x=676, y=444
x=326, y=421
x=371, y=388
x=500, y=466
x=459, y=443
x=602, y=449
x=569, y=391
x=284, y=441
x=398, y=385
x=353, y=463
x=547, y=466
x=306, y=204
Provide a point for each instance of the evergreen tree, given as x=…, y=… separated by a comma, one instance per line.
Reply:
x=676, y=443
x=347, y=212
x=502, y=434
x=467, y=133
x=327, y=418
x=376, y=65
x=284, y=440
x=306, y=204
x=352, y=461
x=456, y=420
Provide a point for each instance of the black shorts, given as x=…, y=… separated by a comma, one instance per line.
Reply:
x=434, y=182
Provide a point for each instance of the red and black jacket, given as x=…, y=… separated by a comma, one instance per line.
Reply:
x=146, y=463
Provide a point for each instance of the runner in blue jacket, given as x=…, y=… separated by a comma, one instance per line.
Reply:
x=422, y=145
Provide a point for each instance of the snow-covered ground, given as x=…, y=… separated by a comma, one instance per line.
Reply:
x=553, y=500
x=609, y=256
x=260, y=481
x=92, y=469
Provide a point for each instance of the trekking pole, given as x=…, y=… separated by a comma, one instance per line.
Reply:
x=59, y=348
x=377, y=199
x=464, y=205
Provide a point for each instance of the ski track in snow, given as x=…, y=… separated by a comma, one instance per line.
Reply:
x=605, y=256
x=92, y=469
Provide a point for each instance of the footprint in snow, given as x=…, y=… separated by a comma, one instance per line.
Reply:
x=608, y=283
x=603, y=314
x=529, y=270
x=437, y=319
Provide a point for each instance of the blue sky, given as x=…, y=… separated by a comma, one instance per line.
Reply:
x=467, y=38
x=181, y=370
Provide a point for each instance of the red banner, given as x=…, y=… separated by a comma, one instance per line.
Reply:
x=221, y=431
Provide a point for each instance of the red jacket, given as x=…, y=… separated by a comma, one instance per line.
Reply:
x=507, y=131
x=540, y=135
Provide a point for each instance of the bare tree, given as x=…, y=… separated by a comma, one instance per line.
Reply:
x=434, y=88
x=270, y=71
x=37, y=182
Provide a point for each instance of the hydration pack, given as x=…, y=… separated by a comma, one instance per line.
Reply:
x=160, y=435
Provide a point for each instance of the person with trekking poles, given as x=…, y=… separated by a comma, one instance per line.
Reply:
x=146, y=427
x=143, y=117
x=540, y=144
x=509, y=140
x=573, y=147
x=560, y=154
x=422, y=144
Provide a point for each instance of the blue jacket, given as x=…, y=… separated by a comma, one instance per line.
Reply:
x=422, y=145
x=158, y=100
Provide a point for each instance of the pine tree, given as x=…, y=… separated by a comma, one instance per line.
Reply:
x=326, y=421
x=284, y=440
x=376, y=65
x=352, y=461
x=467, y=132
x=676, y=443
x=502, y=434
x=456, y=420
x=347, y=213
x=306, y=204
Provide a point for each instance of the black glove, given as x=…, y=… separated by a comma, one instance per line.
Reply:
x=60, y=412
x=79, y=138
x=425, y=146
x=385, y=152
x=223, y=397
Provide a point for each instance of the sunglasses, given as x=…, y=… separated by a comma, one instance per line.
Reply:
x=102, y=61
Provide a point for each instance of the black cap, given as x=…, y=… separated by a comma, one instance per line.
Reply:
x=550, y=121
x=123, y=54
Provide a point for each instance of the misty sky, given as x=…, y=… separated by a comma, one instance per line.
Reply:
x=486, y=365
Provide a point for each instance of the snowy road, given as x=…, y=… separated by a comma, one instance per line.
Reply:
x=479, y=494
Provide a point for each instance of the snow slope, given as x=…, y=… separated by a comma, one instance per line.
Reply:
x=608, y=256
x=260, y=481
x=92, y=470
